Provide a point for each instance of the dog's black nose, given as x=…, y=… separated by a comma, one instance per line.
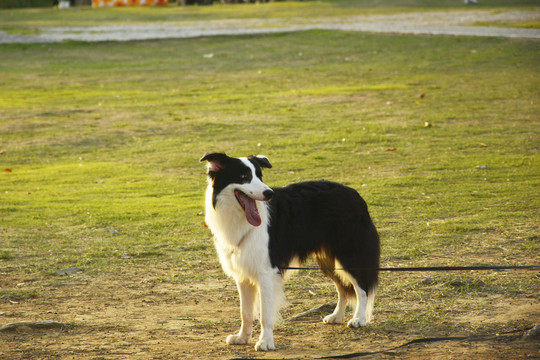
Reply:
x=268, y=194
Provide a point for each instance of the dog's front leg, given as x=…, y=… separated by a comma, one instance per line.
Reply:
x=247, y=293
x=266, y=294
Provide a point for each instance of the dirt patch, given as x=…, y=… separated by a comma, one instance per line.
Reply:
x=129, y=317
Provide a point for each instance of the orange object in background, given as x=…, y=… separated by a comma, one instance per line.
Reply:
x=110, y=3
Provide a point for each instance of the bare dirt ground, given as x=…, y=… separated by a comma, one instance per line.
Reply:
x=463, y=23
x=129, y=317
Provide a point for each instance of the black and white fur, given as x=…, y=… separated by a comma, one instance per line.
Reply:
x=259, y=230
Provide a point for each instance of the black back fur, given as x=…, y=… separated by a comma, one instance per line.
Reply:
x=327, y=220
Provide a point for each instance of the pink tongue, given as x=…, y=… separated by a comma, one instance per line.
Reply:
x=250, y=208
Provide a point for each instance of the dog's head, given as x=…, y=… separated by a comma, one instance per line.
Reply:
x=241, y=177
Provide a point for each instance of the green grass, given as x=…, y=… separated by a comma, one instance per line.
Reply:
x=108, y=136
x=96, y=138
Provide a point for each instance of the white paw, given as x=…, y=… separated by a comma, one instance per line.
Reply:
x=333, y=319
x=265, y=345
x=237, y=339
x=356, y=323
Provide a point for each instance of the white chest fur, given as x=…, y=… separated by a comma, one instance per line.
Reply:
x=242, y=248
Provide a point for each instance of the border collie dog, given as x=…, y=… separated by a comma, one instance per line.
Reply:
x=258, y=231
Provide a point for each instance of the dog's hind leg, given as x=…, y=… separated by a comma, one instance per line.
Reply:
x=327, y=263
x=359, y=316
x=339, y=312
x=247, y=293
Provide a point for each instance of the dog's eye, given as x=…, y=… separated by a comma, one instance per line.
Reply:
x=244, y=176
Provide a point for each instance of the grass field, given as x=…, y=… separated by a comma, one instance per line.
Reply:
x=99, y=149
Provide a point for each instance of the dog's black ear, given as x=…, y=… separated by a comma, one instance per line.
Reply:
x=261, y=160
x=216, y=161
